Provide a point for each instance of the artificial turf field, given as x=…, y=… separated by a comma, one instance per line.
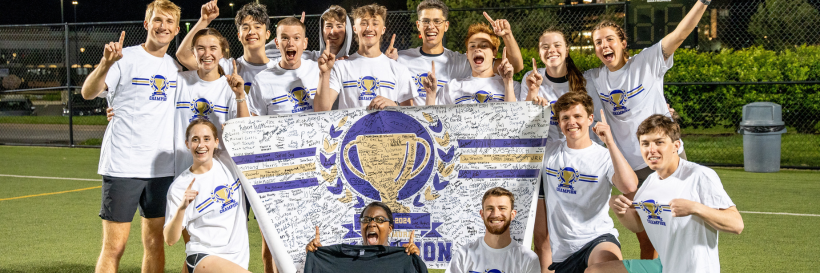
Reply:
x=61, y=232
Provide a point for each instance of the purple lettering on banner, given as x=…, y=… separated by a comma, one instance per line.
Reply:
x=287, y=185
x=523, y=173
x=256, y=158
x=502, y=143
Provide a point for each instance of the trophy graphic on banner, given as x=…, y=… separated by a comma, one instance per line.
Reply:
x=387, y=162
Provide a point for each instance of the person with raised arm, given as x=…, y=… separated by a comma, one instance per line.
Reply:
x=136, y=159
x=335, y=32
x=368, y=77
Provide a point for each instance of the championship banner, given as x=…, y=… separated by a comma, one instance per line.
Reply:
x=430, y=165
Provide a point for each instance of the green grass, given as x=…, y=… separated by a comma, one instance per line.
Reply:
x=720, y=145
x=62, y=232
x=78, y=120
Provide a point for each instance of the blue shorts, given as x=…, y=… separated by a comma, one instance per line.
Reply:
x=643, y=266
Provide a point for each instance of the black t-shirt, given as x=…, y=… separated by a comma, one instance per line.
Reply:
x=357, y=258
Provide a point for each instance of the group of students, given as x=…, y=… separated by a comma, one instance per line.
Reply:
x=175, y=170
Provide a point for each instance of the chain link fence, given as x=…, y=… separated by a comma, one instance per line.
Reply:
x=43, y=66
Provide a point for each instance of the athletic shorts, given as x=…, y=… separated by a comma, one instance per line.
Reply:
x=193, y=260
x=577, y=262
x=122, y=196
x=643, y=266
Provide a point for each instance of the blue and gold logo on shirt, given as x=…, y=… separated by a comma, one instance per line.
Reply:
x=480, y=97
x=488, y=271
x=567, y=177
x=248, y=87
x=299, y=97
x=653, y=210
x=418, y=78
x=224, y=194
x=158, y=83
x=368, y=86
x=553, y=118
x=201, y=108
x=618, y=99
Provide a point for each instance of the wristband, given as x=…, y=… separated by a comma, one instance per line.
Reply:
x=242, y=99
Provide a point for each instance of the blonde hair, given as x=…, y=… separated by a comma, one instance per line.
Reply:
x=163, y=6
x=371, y=10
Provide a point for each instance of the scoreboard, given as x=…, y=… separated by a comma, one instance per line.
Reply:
x=651, y=20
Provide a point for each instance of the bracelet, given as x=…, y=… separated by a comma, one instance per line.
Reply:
x=706, y=2
x=397, y=103
x=242, y=99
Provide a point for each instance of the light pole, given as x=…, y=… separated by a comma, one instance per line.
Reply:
x=74, y=3
x=231, y=4
x=62, y=12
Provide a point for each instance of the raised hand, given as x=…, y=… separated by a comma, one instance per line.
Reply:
x=315, y=243
x=189, y=196
x=430, y=83
x=237, y=83
x=327, y=59
x=392, y=52
x=602, y=129
x=411, y=248
x=538, y=100
x=620, y=204
x=302, y=19
x=113, y=51
x=534, y=80
x=500, y=26
x=209, y=11
x=380, y=103
x=505, y=69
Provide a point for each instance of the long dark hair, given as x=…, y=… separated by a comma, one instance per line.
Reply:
x=577, y=83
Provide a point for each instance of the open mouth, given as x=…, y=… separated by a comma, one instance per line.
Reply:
x=207, y=61
x=251, y=39
x=478, y=59
x=431, y=35
x=372, y=238
x=553, y=57
x=654, y=159
x=291, y=54
x=369, y=35
x=573, y=130
x=201, y=152
x=609, y=55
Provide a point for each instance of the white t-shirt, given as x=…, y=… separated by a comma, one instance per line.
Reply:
x=449, y=65
x=477, y=256
x=632, y=94
x=474, y=90
x=139, y=140
x=279, y=91
x=246, y=70
x=217, y=218
x=360, y=79
x=197, y=98
x=577, y=184
x=552, y=91
x=684, y=244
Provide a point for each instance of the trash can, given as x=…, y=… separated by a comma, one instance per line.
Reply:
x=761, y=128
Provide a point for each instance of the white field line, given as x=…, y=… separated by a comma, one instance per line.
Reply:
x=781, y=213
x=46, y=177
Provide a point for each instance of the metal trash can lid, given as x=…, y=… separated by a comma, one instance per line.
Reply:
x=762, y=114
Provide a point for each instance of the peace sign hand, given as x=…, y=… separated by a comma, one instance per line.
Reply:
x=500, y=26
x=535, y=79
x=392, y=52
x=602, y=130
x=505, y=69
x=189, y=196
x=315, y=243
x=237, y=83
x=209, y=12
x=327, y=59
x=411, y=248
x=113, y=51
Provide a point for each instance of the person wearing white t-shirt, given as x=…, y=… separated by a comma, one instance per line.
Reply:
x=335, y=29
x=136, y=159
x=367, y=78
x=682, y=207
x=578, y=176
x=496, y=251
x=433, y=24
x=206, y=92
x=483, y=85
x=252, y=23
x=208, y=202
x=631, y=89
x=290, y=86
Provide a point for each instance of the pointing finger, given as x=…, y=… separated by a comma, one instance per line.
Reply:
x=434, y=68
x=234, y=67
x=412, y=235
x=303, y=17
x=492, y=22
x=534, y=68
x=327, y=46
x=392, y=40
x=504, y=54
x=317, y=233
x=192, y=184
x=122, y=37
x=603, y=118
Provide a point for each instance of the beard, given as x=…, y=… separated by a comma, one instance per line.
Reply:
x=497, y=230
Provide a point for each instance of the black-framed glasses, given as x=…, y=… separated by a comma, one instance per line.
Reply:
x=378, y=219
x=427, y=22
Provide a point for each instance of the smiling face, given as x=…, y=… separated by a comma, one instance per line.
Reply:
x=659, y=151
x=432, y=25
x=575, y=122
x=480, y=52
x=334, y=32
x=497, y=213
x=292, y=42
x=369, y=30
x=553, y=49
x=609, y=47
x=208, y=52
x=252, y=34
x=162, y=27
x=374, y=233
x=202, y=143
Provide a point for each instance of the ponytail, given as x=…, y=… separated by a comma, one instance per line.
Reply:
x=577, y=83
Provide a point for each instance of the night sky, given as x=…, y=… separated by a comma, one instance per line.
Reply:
x=48, y=11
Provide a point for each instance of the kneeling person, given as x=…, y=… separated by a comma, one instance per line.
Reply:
x=496, y=250
x=578, y=178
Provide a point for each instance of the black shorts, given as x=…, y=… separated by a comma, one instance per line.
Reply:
x=193, y=260
x=122, y=196
x=577, y=262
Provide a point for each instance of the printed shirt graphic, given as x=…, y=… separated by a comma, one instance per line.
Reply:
x=246, y=70
x=278, y=91
x=196, y=98
x=138, y=141
x=360, y=79
x=474, y=90
x=684, y=244
x=632, y=94
x=477, y=256
x=577, y=184
x=217, y=218
x=552, y=91
x=449, y=65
